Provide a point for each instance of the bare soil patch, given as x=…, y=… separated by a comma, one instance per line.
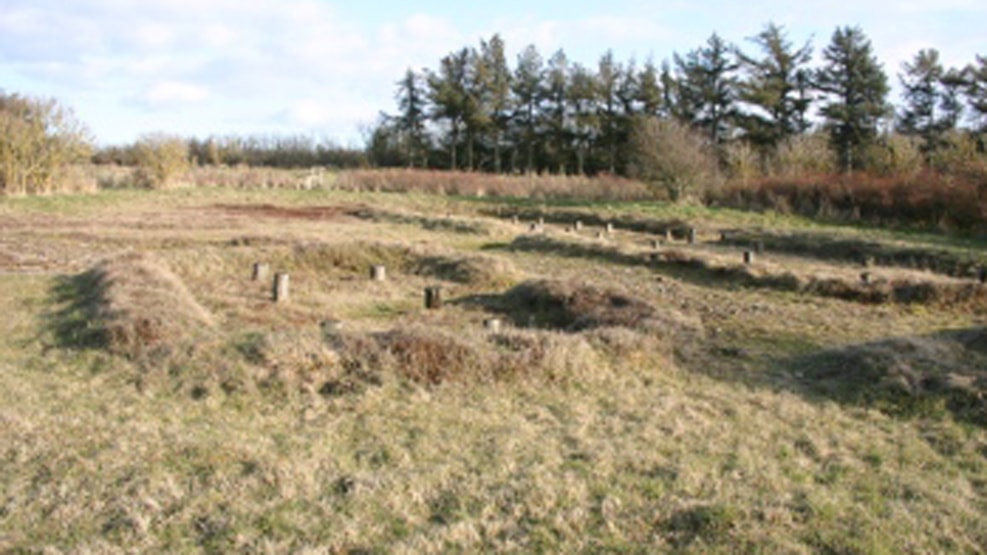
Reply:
x=327, y=213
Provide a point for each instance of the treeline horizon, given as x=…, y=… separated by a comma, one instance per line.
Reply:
x=475, y=111
x=256, y=150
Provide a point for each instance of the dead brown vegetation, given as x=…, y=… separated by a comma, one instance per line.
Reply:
x=604, y=187
x=926, y=199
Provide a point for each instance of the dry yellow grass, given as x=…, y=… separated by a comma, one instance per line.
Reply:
x=712, y=429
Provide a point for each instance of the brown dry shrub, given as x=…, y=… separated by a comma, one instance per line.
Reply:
x=927, y=198
x=672, y=157
x=246, y=177
x=142, y=306
x=162, y=161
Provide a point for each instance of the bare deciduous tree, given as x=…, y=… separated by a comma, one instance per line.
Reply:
x=39, y=141
x=671, y=156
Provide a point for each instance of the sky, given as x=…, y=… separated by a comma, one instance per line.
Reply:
x=327, y=68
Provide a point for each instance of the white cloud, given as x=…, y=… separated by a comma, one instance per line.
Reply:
x=938, y=6
x=426, y=27
x=170, y=93
x=219, y=36
x=311, y=113
x=154, y=35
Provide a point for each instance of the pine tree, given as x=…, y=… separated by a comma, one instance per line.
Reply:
x=671, y=107
x=857, y=88
x=976, y=93
x=649, y=91
x=608, y=78
x=583, y=95
x=526, y=88
x=448, y=96
x=411, y=119
x=499, y=84
x=707, y=88
x=477, y=105
x=774, y=88
x=925, y=97
x=554, y=95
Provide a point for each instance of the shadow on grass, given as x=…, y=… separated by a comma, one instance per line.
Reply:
x=687, y=266
x=864, y=252
x=931, y=376
x=74, y=320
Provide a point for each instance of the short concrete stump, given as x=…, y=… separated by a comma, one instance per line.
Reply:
x=331, y=327
x=261, y=271
x=433, y=297
x=378, y=272
x=280, y=290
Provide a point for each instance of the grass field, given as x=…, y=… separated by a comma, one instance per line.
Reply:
x=638, y=397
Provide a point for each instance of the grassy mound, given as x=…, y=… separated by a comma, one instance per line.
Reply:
x=574, y=307
x=133, y=305
x=910, y=375
x=432, y=356
x=904, y=289
x=474, y=270
x=843, y=284
x=948, y=261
